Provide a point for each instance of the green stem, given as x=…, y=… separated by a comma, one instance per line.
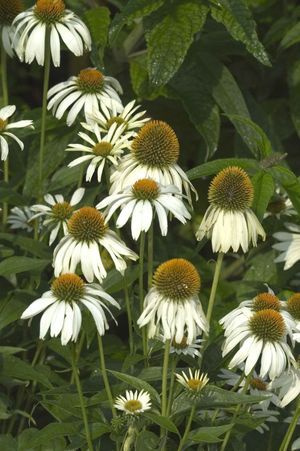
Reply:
x=141, y=290
x=165, y=378
x=44, y=109
x=234, y=388
x=173, y=368
x=104, y=375
x=129, y=314
x=5, y=102
x=150, y=256
x=187, y=428
x=78, y=352
x=80, y=394
x=214, y=287
x=289, y=433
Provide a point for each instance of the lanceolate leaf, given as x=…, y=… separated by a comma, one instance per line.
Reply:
x=291, y=37
x=15, y=265
x=136, y=383
x=294, y=98
x=215, y=166
x=209, y=434
x=264, y=188
x=98, y=20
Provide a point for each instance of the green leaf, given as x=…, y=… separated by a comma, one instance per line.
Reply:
x=10, y=350
x=8, y=443
x=294, y=93
x=137, y=383
x=169, y=40
x=15, y=368
x=237, y=18
x=15, y=265
x=98, y=20
x=264, y=188
x=291, y=37
x=209, y=434
x=30, y=245
x=13, y=306
x=47, y=434
x=146, y=441
x=133, y=9
x=212, y=167
x=164, y=422
x=140, y=79
x=65, y=177
x=289, y=182
x=10, y=195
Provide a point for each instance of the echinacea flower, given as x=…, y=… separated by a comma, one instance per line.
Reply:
x=103, y=149
x=9, y=9
x=141, y=202
x=49, y=16
x=61, y=306
x=58, y=212
x=289, y=245
x=288, y=386
x=280, y=205
x=192, y=382
x=20, y=218
x=133, y=403
x=6, y=126
x=229, y=221
x=172, y=306
x=154, y=154
x=87, y=235
x=88, y=92
x=183, y=348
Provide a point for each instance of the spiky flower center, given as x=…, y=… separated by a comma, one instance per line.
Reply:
x=9, y=9
x=265, y=301
x=267, y=325
x=133, y=405
x=146, y=189
x=177, y=279
x=195, y=384
x=87, y=224
x=68, y=288
x=62, y=211
x=90, y=81
x=102, y=149
x=181, y=345
x=231, y=189
x=156, y=144
x=276, y=205
x=258, y=383
x=116, y=120
x=293, y=305
x=49, y=11
x=3, y=124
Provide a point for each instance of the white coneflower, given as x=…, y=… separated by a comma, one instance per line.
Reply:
x=9, y=9
x=61, y=306
x=20, y=218
x=280, y=205
x=88, y=92
x=172, y=305
x=192, y=382
x=288, y=386
x=58, y=212
x=229, y=221
x=87, y=235
x=6, y=126
x=133, y=403
x=141, y=202
x=129, y=117
x=154, y=154
x=49, y=16
x=100, y=150
x=183, y=348
x=289, y=245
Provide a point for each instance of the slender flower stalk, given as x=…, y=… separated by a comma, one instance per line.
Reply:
x=214, y=286
x=5, y=103
x=80, y=394
x=289, y=433
x=150, y=256
x=141, y=289
x=187, y=428
x=129, y=315
x=105, y=377
x=164, y=387
x=174, y=362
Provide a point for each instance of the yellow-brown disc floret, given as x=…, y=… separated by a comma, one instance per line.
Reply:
x=87, y=224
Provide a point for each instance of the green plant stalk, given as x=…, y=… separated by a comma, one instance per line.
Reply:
x=173, y=368
x=150, y=256
x=5, y=102
x=214, y=287
x=44, y=109
x=164, y=397
x=104, y=375
x=289, y=433
x=141, y=290
x=187, y=428
x=78, y=352
x=233, y=389
x=129, y=315
x=80, y=394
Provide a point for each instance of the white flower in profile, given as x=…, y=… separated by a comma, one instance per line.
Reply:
x=57, y=212
x=87, y=236
x=20, y=218
x=172, y=306
x=141, y=202
x=31, y=28
x=289, y=245
x=183, y=348
x=229, y=221
x=154, y=154
x=287, y=386
x=9, y=9
x=280, y=205
x=102, y=149
x=194, y=383
x=89, y=91
x=133, y=403
x=61, y=306
x=129, y=117
x=6, y=126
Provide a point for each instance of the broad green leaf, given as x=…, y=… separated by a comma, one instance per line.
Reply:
x=140, y=79
x=212, y=167
x=294, y=93
x=291, y=37
x=4, y=414
x=65, y=177
x=146, y=441
x=237, y=18
x=98, y=20
x=209, y=434
x=262, y=268
x=15, y=368
x=164, y=422
x=15, y=265
x=10, y=195
x=289, y=182
x=264, y=188
x=137, y=383
x=170, y=39
x=10, y=350
x=30, y=245
x=8, y=443
x=51, y=431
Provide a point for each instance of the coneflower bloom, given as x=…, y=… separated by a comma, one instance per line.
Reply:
x=172, y=307
x=20, y=218
x=133, y=403
x=87, y=236
x=61, y=306
x=287, y=385
x=9, y=9
x=141, y=202
x=154, y=154
x=6, y=127
x=183, y=348
x=289, y=245
x=104, y=148
x=49, y=16
x=229, y=221
x=57, y=212
x=88, y=92
x=193, y=383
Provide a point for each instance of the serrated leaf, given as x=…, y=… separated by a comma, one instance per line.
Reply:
x=212, y=167
x=209, y=434
x=237, y=18
x=15, y=265
x=264, y=188
x=294, y=93
x=169, y=40
x=164, y=422
x=137, y=383
x=98, y=20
